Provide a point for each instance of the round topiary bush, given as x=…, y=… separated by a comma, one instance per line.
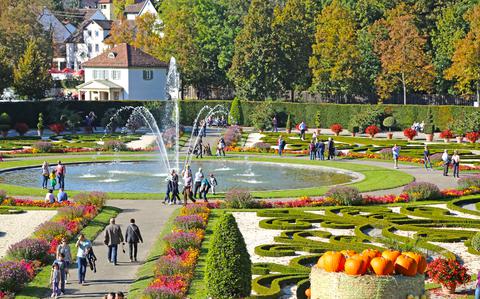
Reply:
x=389, y=122
x=228, y=272
x=239, y=199
x=345, y=195
x=475, y=242
x=422, y=191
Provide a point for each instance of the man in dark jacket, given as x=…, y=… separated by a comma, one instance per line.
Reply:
x=113, y=237
x=133, y=236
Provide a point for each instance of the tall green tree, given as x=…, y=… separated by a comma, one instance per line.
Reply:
x=119, y=6
x=465, y=68
x=255, y=68
x=294, y=28
x=5, y=70
x=217, y=24
x=30, y=76
x=401, y=48
x=335, y=55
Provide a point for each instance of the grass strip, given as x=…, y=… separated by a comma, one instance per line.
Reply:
x=39, y=286
x=145, y=274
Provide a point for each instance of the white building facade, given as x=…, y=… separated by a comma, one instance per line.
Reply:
x=138, y=9
x=124, y=73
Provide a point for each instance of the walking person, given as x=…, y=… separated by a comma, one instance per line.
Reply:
x=302, y=127
x=477, y=286
x=221, y=147
x=133, y=237
x=197, y=182
x=213, y=183
x=331, y=149
x=62, y=267
x=204, y=188
x=55, y=280
x=175, y=191
x=169, y=187
x=320, y=149
x=61, y=171
x=396, y=155
x=275, y=124
x=83, y=246
x=187, y=189
x=198, y=150
x=446, y=162
x=426, y=158
x=281, y=145
x=64, y=249
x=311, y=148
x=113, y=237
x=45, y=174
x=456, y=164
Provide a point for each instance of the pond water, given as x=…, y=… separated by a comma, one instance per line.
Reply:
x=148, y=176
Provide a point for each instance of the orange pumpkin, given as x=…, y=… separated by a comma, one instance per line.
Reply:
x=348, y=253
x=382, y=266
x=354, y=266
x=320, y=261
x=334, y=262
x=391, y=255
x=366, y=261
x=308, y=293
x=372, y=253
x=420, y=259
x=405, y=265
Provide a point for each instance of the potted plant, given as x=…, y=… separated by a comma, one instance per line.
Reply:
x=288, y=125
x=21, y=128
x=354, y=130
x=336, y=128
x=318, y=123
x=459, y=128
x=429, y=127
x=446, y=135
x=5, y=123
x=372, y=130
x=447, y=272
x=472, y=136
x=40, y=125
x=389, y=122
x=409, y=133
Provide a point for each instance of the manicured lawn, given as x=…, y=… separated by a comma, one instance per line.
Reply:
x=145, y=274
x=39, y=287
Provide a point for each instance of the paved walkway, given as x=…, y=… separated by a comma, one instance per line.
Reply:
x=150, y=216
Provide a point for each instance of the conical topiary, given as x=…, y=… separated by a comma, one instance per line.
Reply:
x=235, y=116
x=228, y=272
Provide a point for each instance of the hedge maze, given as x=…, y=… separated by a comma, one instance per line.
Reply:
x=305, y=231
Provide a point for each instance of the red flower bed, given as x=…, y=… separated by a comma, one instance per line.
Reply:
x=336, y=128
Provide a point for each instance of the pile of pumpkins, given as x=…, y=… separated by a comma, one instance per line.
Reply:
x=373, y=261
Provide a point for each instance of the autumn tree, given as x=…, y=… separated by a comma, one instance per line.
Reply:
x=122, y=32
x=465, y=68
x=335, y=56
x=147, y=33
x=30, y=76
x=294, y=28
x=255, y=68
x=401, y=49
x=119, y=7
x=5, y=70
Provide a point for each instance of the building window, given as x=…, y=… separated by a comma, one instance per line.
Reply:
x=95, y=74
x=103, y=6
x=89, y=33
x=89, y=46
x=105, y=74
x=96, y=33
x=115, y=75
x=147, y=75
x=97, y=48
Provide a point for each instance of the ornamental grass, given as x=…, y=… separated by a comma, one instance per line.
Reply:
x=30, y=250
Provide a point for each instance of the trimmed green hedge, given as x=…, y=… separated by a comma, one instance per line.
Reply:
x=329, y=113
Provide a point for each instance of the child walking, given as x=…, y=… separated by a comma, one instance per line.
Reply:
x=53, y=179
x=213, y=183
x=55, y=280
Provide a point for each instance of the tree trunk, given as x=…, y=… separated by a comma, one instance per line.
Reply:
x=292, y=95
x=182, y=95
x=404, y=90
x=478, y=92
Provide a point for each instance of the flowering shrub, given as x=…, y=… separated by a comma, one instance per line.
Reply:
x=345, y=195
x=30, y=250
x=238, y=199
x=336, y=128
x=49, y=230
x=115, y=145
x=447, y=272
x=57, y=128
x=21, y=128
x=95, y=198
x=409, y=133
x=70, y=212
x=43, y=146
x=262, y=146
x=472, y=136
x=14, y=275
x=232, y=135
x=386, y=153
x=189, y=222
x=446, y=134
x=3, y=194
x=422, y=191
x=181, y=240
x=372, y=130
x=469, y=181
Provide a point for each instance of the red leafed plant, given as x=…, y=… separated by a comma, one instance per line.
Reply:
x=472, y=136
x=409, y=133
x=372, y=130
x=21, y=128
x=336, y=128
x=57, y=128
x=446, y=134
x=447, y=272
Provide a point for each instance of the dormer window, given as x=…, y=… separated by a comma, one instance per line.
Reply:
x=112, y=55
x=147, y=74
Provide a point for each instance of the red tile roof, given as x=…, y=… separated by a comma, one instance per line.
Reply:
x=124, y=56
x=135, y=8
x=104, y=1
